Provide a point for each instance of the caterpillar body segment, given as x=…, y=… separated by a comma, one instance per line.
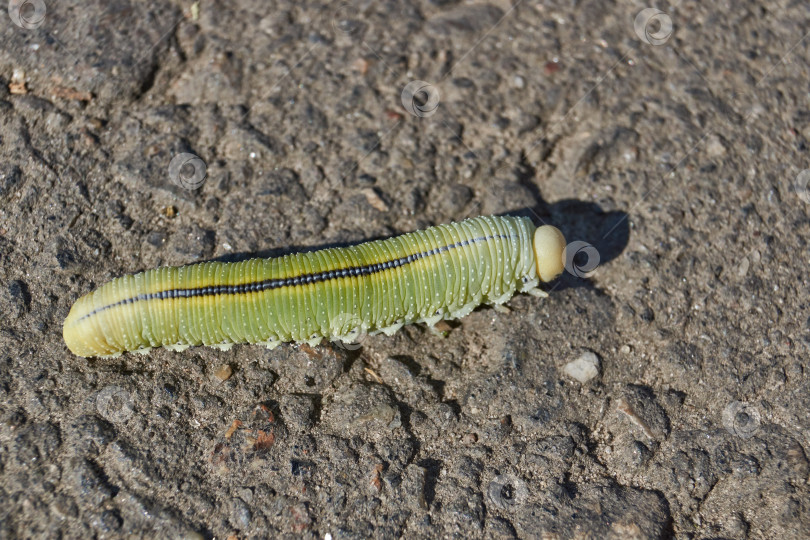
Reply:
x=440, y=273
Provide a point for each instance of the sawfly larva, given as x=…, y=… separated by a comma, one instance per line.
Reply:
x=440, y=273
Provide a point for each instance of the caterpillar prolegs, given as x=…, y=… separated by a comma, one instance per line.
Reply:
x=439, y=273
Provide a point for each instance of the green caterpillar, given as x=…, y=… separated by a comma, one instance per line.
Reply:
x=440, y=273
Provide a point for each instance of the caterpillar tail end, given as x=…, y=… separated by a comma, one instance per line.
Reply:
x=72, y=332
x=549, y=252
x=78, y=331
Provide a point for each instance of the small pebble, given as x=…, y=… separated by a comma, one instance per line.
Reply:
x=17, y=85
x=584, y=368
x=715, y=146
x=223, y=372
x=374, y=199
x=360, y=65
x=551, y=67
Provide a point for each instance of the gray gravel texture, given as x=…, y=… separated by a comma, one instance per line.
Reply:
x=676, y=153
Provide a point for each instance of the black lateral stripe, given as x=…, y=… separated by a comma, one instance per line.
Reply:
x=294, y=281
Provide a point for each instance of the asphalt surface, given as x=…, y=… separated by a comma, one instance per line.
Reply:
x=662, y=390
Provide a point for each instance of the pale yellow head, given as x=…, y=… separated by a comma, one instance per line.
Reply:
x=549, y=252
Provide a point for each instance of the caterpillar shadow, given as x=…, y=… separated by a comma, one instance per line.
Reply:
x=584, y=222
